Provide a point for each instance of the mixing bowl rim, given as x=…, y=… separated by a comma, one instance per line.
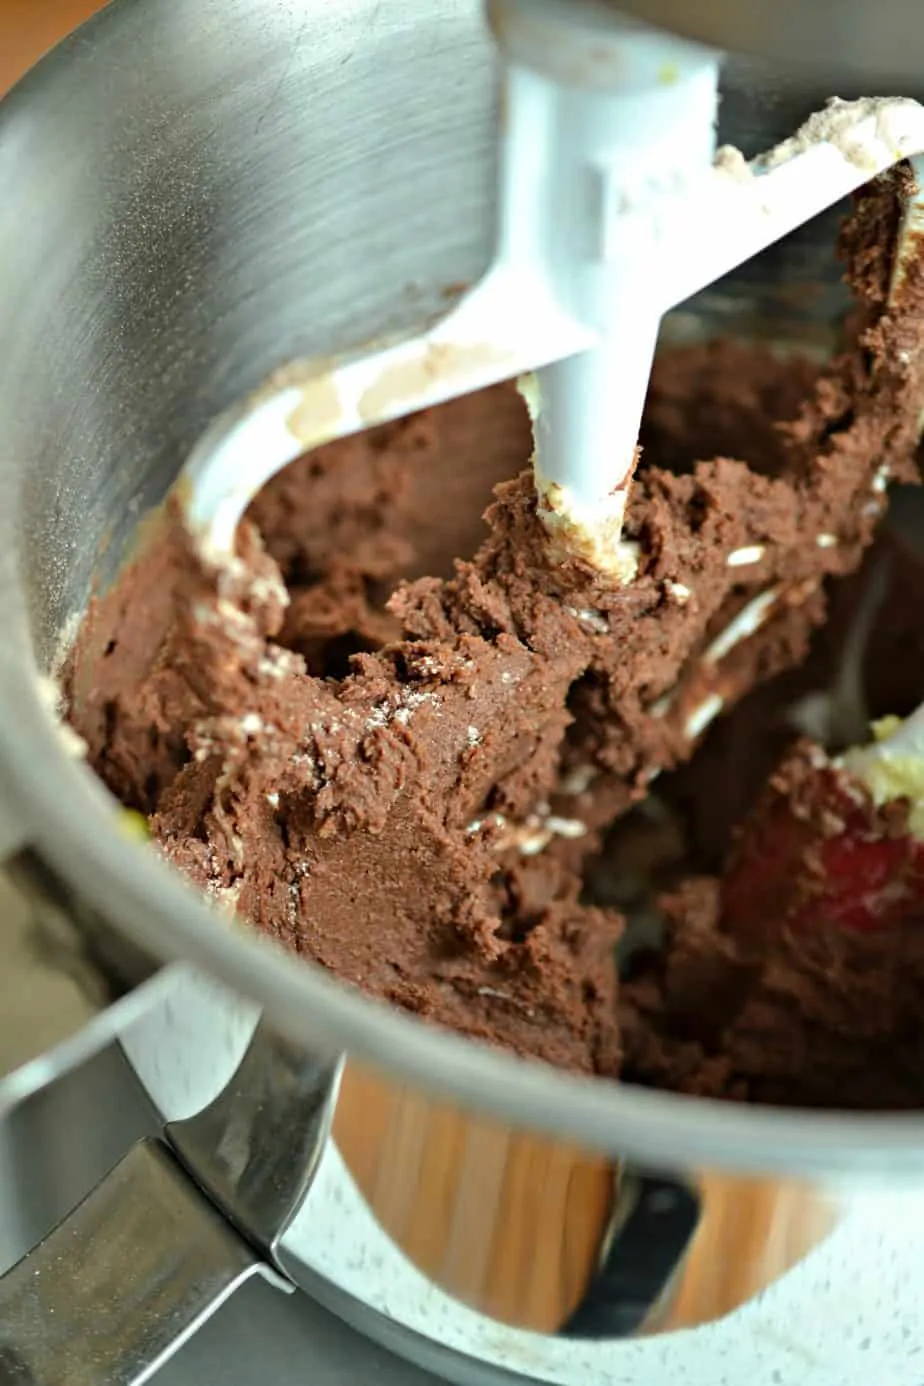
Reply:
x=72, y=820
x=69, y=817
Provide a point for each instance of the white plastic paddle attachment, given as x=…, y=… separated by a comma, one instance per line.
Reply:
x=614, y=207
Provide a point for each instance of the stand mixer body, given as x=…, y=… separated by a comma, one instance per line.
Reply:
x=123, y=309
x=839, y=41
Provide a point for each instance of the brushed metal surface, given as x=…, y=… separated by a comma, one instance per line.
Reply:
x=131, y=1273
x=271, y=182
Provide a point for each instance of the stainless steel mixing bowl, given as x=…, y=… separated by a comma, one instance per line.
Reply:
x=194, y=192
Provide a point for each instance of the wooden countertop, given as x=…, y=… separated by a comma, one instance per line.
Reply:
x=28, y=28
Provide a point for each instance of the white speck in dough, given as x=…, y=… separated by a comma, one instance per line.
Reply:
x=740, y=558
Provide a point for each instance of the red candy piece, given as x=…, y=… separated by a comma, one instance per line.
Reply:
x=815, y=855
x=869, y=885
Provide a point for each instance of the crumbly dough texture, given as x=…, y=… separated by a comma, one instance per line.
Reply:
x=401, y=766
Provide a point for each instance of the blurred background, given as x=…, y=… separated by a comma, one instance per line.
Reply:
x=28, y=28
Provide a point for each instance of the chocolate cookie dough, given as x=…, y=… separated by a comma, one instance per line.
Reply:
x=796, y=976
x=407, y=786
